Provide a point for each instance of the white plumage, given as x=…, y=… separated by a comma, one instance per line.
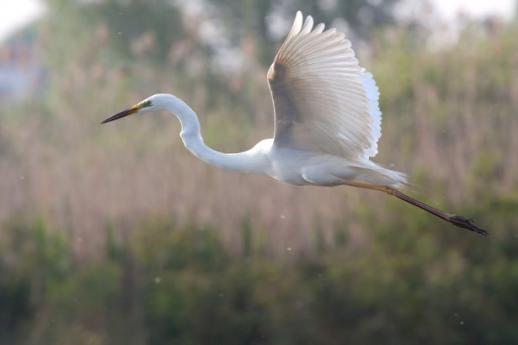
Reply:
x=326, y=104
x=324, y=101
x=327, y=120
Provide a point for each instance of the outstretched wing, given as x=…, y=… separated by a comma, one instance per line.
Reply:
x=324, y=101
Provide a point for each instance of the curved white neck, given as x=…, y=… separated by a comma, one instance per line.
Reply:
x=248, y=161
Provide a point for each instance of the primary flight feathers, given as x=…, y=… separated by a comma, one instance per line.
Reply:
x=324, y=101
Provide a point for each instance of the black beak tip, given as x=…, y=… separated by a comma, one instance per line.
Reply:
x=107, y=120
x=120, y=115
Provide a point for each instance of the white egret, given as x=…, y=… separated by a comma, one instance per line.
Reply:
x=327, y=120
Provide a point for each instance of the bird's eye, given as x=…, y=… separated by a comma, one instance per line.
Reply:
x=146, y=103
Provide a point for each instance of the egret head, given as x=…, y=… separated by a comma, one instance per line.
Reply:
x=152, y=103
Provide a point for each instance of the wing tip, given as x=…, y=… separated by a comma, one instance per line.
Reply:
x=297, y=24
x=308, y=25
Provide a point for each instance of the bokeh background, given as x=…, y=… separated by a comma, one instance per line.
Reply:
x=115, y=234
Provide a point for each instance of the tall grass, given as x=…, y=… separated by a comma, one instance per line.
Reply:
x=449, y=119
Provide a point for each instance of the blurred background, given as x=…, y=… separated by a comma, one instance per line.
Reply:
x=115, y=234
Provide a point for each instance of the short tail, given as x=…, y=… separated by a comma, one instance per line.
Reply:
x=373, y=173
x=456, y=220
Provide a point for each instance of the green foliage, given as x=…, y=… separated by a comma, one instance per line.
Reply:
x=247, y=20
x=165, y=283
x=128, y=21
x=31, y=261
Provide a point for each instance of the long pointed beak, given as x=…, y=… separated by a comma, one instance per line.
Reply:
x=122, y=114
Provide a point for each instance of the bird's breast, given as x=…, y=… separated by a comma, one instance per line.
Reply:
x=287, y=165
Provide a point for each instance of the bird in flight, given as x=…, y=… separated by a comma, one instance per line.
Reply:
x=327, y=121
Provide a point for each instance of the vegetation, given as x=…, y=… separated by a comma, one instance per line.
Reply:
x=116, y=235
x=169, y=284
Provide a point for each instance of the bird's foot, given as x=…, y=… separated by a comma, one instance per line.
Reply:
x=466, y=223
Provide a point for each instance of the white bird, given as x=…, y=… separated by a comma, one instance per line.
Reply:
x=327, y=120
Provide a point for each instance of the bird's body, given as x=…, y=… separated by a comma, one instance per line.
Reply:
x=283, y=163
x=327, y=120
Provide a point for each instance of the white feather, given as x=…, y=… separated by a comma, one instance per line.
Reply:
x=324, y=101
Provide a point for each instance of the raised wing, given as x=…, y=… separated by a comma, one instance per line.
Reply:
x=323, y=100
